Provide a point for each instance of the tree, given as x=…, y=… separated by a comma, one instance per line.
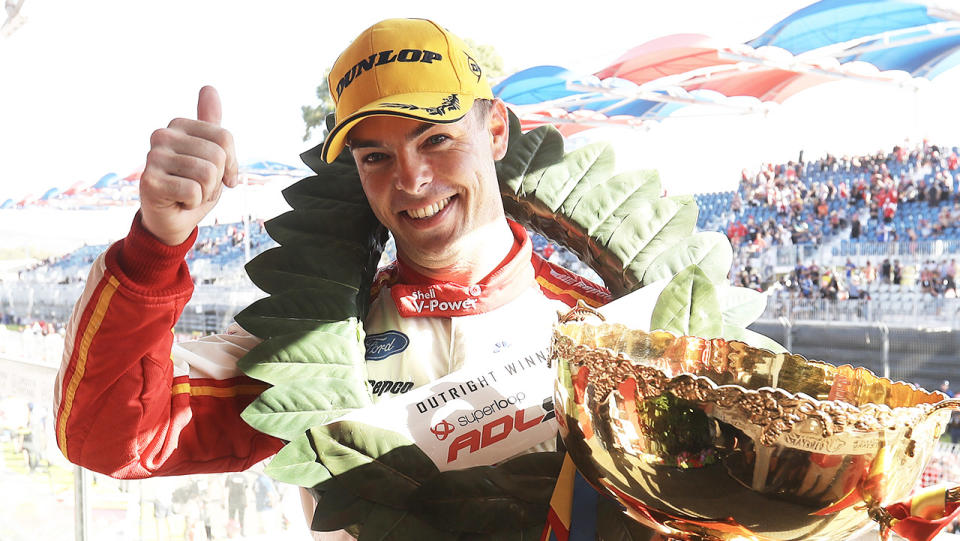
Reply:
x=488, y=58
x=314, y=116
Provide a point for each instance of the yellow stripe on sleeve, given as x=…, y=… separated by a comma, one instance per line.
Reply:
x=99, y=312
x=218, y=392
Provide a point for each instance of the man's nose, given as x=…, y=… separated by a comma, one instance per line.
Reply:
x=412, y=173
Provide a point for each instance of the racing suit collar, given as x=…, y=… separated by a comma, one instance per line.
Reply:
x=416, y=295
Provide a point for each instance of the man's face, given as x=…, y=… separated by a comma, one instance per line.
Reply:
x=434, y=186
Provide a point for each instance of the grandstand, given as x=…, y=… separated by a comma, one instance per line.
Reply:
x=842, y=220
x=788, y=223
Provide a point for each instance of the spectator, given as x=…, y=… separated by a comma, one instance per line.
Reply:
x=237, y=500
x=869, y=273
x=886, y=274
x=267, y=500
x=945, y=388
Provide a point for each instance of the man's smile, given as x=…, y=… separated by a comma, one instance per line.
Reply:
x=429, y=210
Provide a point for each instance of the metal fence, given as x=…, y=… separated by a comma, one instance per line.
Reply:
x=920, y=310
x=210, y=310
x=918, y=354
x=836, y=251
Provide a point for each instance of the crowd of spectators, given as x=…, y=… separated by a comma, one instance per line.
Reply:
x=805, y=202
x=221, y=239
x=934, y=278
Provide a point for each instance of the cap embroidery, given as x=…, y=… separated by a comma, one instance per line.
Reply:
x=385, y=57
x=450, y=103
x=474, y=66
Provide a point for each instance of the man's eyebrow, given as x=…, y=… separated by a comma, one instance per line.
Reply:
x=370, y=143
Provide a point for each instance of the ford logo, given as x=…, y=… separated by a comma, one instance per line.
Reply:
x=382, y=345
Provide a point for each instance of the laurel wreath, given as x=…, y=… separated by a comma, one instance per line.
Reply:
x=376, y=483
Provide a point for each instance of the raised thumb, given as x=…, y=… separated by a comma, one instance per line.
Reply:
x=208, y=106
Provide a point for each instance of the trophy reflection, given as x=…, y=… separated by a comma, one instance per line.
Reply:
x=716, y=440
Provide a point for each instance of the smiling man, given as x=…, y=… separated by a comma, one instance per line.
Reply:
x=418, y=116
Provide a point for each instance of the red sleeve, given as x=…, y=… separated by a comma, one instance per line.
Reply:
x=120, y=411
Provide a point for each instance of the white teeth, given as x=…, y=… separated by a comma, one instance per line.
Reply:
x=429, y=211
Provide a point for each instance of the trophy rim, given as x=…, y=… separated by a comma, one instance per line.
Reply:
x=911, y=403
x=913, y=387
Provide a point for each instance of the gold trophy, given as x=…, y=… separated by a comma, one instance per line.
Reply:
x=716, y=440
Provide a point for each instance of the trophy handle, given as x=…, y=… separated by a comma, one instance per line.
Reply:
x=949, y=403
x=929, y=510
x=580, y=313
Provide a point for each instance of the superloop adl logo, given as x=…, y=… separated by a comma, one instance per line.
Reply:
x=442, y=429
x=496, y=429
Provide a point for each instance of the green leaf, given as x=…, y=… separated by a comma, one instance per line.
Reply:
x=603, y=201
x=309, y=267
x=709, y=250
x=338, y=509
x=583, y=167
x=343, y=166
x=350, y=223
x=527, y=154
x=640, y=238
x=334, y=207
x=741, y=306
x=484, y=499
x=688, y=305
x=376, y=464
x=297, y=464
x=588, y=166
x=335, y=351
x=289, y=409
x=336, y=182
x=752, y=338
x=385, y=523
x=305, y=310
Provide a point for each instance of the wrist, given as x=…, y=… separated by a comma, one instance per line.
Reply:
x=148, y=261
x=162, y=234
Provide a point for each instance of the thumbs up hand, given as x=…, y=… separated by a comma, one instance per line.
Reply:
x=188, y=164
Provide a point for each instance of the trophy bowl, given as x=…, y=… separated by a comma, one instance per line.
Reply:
x=713, y=439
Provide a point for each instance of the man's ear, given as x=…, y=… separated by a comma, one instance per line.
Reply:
x=498, y=125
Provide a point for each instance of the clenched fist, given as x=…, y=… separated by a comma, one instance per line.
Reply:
x=188, y=164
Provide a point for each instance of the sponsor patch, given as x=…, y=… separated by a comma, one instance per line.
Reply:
x=386, y=386
x=382, y=345
x=450, y=103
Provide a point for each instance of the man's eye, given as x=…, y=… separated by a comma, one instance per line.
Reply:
x=437, y=139
x=374, y=157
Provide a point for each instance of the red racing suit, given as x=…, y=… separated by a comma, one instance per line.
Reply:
x=131, y=404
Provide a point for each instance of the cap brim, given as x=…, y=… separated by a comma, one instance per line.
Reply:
x=433, y=107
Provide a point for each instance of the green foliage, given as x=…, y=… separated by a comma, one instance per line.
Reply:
x=312, y=351
x=688, y=306
x=488, y=58
x=627, y=233
x=314, y=116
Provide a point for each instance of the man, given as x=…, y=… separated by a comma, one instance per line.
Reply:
x=237, y=500
x=416, y=112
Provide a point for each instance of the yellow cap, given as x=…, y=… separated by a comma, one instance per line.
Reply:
x=410, y=68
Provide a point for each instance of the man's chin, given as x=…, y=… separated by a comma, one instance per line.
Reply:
x=431, y=251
